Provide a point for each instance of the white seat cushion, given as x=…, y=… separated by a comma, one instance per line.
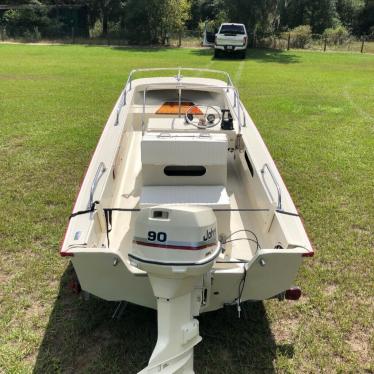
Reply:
x=213, y=196
x=184, y=149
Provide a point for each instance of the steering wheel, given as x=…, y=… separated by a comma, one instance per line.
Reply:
x=211, y=118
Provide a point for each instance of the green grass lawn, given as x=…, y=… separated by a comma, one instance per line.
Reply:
x=316, y=114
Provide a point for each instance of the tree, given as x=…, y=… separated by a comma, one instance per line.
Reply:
x=319, y=14
x=148, y=21
x=348, y=11
x=177, y=14
x=259, y=16
x=365, y=19
x=105, y=10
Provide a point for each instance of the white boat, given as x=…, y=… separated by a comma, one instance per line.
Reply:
x=183, y=210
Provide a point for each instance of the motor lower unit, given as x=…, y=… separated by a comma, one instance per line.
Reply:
x=176, y=245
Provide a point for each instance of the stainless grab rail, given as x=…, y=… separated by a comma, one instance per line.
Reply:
x=240, y=106
x=179, y=70
x=143, y=115
x=244, y=124
x=178, y=76
x=99, y=173
x=122, y=102
x=266, y=166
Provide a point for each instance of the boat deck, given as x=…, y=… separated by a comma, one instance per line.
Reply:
x=129, y=192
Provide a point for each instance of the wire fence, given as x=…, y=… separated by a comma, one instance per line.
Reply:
x=193, y=39
x=317, y=42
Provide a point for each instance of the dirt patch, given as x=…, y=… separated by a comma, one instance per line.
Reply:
x=34, y=310
x=330, y=290
x=31, y=358
x=359, y=344
x=284, y=329
x=12, y=144
x=4, y=277
x=360, y=230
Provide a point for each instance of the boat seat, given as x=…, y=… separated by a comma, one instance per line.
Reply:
x=215, y=197
x=184, y=159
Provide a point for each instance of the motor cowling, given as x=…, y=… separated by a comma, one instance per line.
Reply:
x=174, y=236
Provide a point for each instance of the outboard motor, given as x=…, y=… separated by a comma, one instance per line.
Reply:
x=176, y=245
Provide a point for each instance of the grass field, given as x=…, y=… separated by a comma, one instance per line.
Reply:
x=316, y=114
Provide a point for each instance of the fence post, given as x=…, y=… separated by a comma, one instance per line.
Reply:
x=288, y=41
x=324, y=44
x=73, y=34
x=180, y=38
x=362, y=44
x=254, y=39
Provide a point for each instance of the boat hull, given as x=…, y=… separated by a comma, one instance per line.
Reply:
x=104, y=274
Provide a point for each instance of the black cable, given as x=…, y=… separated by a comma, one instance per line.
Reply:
x=241, y=210
x=108, y=223
x=242, y=284
x=249, y=239
x=80, y=212
x=287, y=213
x=123, y=209
x=242, y=281
x=92, y=209
x=237, y=301
x=214, y=210
x=245, y=230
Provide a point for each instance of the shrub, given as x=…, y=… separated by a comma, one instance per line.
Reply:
x=97, y=29
x=212, y=25
x=26, y=22
x=301, y=36
x=337, y=35
x=32, y=36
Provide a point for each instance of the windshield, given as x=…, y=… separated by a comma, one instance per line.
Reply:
x=232, y=29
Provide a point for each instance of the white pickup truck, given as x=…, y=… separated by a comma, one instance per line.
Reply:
x=231, y=37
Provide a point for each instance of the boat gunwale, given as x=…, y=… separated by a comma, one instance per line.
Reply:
x=123, y=104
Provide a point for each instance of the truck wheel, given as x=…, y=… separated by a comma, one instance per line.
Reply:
x=216, y=53
x=242, y=54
